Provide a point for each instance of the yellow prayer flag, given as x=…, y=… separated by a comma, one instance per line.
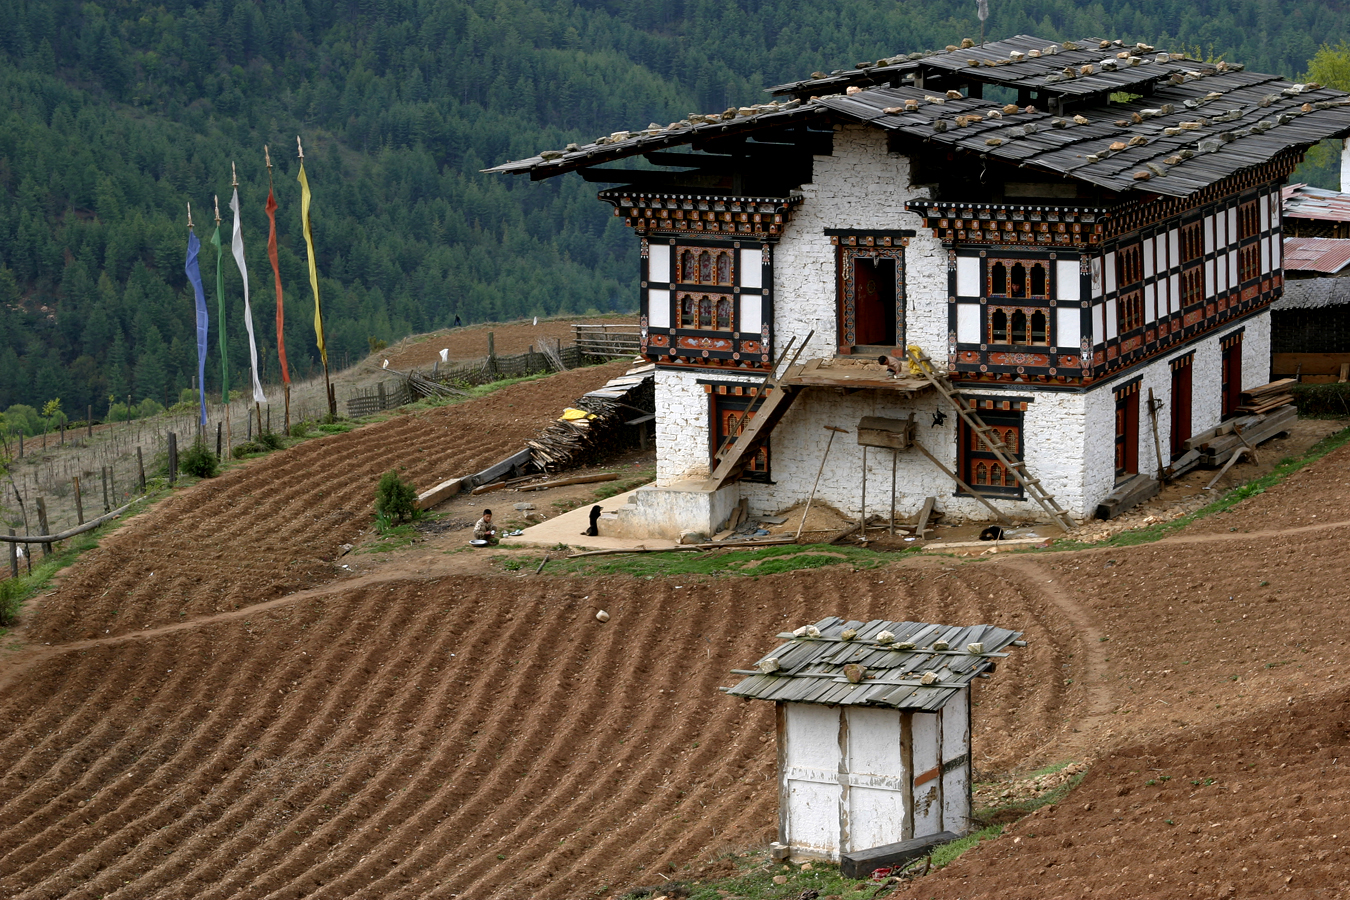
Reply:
x=313, y=270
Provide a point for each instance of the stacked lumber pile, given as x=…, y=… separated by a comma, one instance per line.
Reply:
x=1217, y=445
x=1267, y=397
x=607, y=428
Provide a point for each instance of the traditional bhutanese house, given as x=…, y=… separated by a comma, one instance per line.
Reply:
x=873, y=729
x=1065, y=230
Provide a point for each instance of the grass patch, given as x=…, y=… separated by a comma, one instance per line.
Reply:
x=624, y=485
x=393, y=538
x=756, y=561
x=14, y=592
x=1286, y=467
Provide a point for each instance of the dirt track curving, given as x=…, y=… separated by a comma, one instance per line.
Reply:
x=248, y=722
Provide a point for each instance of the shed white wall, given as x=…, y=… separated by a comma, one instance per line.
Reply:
x=846, y=776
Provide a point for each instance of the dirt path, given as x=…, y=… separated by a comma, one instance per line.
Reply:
x=209, y=706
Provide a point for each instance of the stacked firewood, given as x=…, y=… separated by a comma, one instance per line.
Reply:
x=608, y=428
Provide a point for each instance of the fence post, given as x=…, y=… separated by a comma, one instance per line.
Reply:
x=173, y=458
x=89, y=422
x=219, y=427
x=140, y=467
x=380, y=392
x=42, y=525
x=13, y=557
x=492, y=354
x=103, y=476
x=79, y=502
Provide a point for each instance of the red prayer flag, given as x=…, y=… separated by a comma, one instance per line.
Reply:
x=276, y=270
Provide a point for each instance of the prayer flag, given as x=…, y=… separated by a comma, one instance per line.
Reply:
x=237, y=248
x=276, y=271
x=313, y=270
x=220, y=315
x=194, y=275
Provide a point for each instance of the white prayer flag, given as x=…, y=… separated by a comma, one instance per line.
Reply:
x=237, y=248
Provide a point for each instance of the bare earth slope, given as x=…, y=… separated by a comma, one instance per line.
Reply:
x=240, y=724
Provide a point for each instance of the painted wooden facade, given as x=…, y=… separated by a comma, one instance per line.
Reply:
x=873, y=730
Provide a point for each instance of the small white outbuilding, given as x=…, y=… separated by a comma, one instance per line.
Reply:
x=873, y=729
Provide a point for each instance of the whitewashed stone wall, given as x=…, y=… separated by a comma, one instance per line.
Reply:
x=861, y=186
x=682, y=424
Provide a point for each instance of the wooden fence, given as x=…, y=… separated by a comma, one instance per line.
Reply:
x=397, y=392
x=610, y=341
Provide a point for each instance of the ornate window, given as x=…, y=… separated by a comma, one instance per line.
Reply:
x=871, y=297
x=706, y=266
x=731, y=415
x=1127, y=429
x=980, y=468
x=1192, y=286
x=1021, y=326
x=1018, y=278
x=1192, y=242
x=706, y=312
x=1129, y=265
x=1130, y=311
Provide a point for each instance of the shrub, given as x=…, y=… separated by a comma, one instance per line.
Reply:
x=299, y=429
x=247, y=448
x=149, y=407
x=1321, y=399
x=199, y=461
x=11, y=597
x=271, y=440
x=395, y=499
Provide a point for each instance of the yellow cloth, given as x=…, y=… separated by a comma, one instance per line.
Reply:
x=571, y=415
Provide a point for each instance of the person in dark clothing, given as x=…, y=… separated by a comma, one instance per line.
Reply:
x=458, y=324
x=594, y=530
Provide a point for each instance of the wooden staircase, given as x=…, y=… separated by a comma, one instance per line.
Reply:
x=775, y=396
x=923, y=366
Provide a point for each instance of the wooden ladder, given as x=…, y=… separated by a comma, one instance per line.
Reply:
x=989, y=436
x=774, y=399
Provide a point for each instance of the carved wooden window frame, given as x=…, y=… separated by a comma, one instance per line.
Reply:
x=721, y=264
x=847, y=303
x=979, y=467
x=1130, y=311
x=709, y=303
x=1007, y=316
x=1009, y=282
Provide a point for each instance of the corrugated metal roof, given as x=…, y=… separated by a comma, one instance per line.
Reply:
x=1304, y=202
x=1201, y=123
x=1309, y=254
x=810, y=669
x=1313, y=293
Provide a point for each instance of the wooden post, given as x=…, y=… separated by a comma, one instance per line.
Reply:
x=249, y=416
x=862, y=518
x=218, y=436
x=13, y=557
x=895, y=455
x=1153, y=407
x=269, y=417
x=380, y=391
x=103, y=475
x=79, y=502
x=492, y=354
x=42, y=524
x=89, y=422
x=140, y=468
x=286, y=389
x=112, y=481
x=826, y=455
x=173, y=457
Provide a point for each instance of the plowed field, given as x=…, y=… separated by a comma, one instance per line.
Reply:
x=207, y=707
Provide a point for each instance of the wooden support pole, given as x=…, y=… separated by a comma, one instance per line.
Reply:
x=79, y=502
x=965, y=487
x=862, y=518
x=895, y=456
x=140, y=469
x=826, y=455
x=13, y=557
x=42, y=524
x=89, y=422
x=218, y=435
x=103, y=476
x=1153, y=407
x=173, y=457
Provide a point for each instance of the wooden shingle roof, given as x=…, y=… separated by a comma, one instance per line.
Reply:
x=920, y=667
x=1190, y=125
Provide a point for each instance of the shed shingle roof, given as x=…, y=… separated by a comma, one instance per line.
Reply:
x=811, y=669
x=1313, y=293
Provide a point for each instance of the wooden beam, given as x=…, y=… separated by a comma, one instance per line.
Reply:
x=965, y=487
x=862, y=863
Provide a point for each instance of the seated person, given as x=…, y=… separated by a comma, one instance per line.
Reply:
x=484, y=530
x=894, y=364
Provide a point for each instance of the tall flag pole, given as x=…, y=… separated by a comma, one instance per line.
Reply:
x=314, y=276
x=276, y=272
x=237, y=248
x=194, y=274
x=220, y=326
x=982, y=11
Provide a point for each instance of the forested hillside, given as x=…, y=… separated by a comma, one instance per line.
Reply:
x=114, y=116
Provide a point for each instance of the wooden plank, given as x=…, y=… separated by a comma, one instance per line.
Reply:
x=862, y=863
x=922, y=529
x=577, y=479
x=1308, y=363
x=1128, y=495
